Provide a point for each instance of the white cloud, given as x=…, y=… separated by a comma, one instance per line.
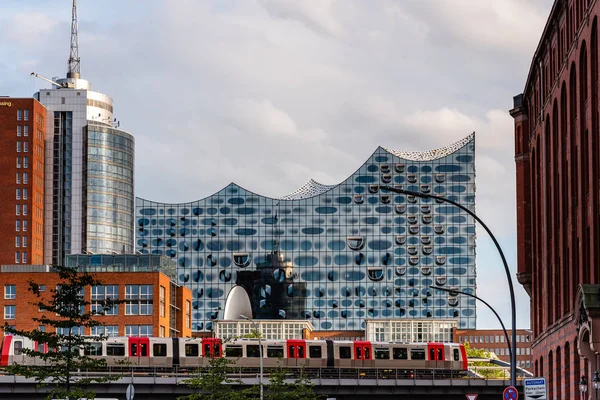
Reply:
x=272, y=93
x=27, y=28
x=317, y=15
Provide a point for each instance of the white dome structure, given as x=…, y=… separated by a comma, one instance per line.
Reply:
x=238, y=303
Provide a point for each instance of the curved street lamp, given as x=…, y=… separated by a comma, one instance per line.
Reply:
x=513, y=353
x=451, y=291
x=583, y=386
x=260, y=352
x=596, y=380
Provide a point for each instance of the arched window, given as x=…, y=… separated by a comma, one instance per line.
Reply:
x=558, y=392
x=564, y=197
x=551, y=376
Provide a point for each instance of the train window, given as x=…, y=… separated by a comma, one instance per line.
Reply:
x=40, y=348
x=144, y=350
x=159, y=349
x=367, y=353
x=382, y=354
x=274, y=351
x=400, y=353
x=358, y=353
x=440, y=354
x=345, y=352
x=417, y=354
x=456, y=355
x=432, y=354
x=300, y=351
x=233, y=351
x=115, y=349
x=18, y=346
x=252, y=350
x=92, y=349
x=191, y=350
x=207, y=350
x=314, y=352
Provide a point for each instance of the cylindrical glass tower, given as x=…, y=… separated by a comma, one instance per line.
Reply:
x=110, y=196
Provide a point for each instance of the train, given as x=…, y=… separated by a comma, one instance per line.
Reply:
x=193, y=353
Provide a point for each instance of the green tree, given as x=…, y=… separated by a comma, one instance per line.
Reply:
x=480, y=366
x=213, y=383
x=301, y=388
x=67, y=311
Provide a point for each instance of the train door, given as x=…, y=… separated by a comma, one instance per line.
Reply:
x=139, y=350
x=436, y=355
x=363, y=354
x=296, y=350
x=211, y=348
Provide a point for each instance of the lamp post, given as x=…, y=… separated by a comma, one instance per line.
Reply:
x=596, y=381
x=260, y=352
x=451, y=291
x=513, y=353
x=583, y=386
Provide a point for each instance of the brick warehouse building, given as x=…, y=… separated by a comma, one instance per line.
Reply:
x=558, y=200
x=493, y=340
x=22, y=134
x=154, y=305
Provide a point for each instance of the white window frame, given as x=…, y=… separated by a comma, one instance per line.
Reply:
x=10, y=292
x=10, y=312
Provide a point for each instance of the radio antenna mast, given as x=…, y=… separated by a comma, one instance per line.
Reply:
x=74, y=70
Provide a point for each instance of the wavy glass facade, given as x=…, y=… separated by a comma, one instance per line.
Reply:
x=332, y=254
x=109, y=194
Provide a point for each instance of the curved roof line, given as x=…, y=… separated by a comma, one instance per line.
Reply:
x=313, y=188
x=430, y=155
x=309, y=189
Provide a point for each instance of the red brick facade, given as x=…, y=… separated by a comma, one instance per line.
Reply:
x=22, y=134
x=557, y=154
x=493, y=340
x=18, y=295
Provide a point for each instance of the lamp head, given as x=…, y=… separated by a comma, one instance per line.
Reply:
x=583, y=384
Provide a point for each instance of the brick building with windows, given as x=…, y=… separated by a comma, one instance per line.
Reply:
x=493, y=340
x=22, y=135
x=557, y=154
x=154, y=305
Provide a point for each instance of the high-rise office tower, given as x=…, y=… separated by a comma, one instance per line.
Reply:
x=89, y=198
x=22, y=134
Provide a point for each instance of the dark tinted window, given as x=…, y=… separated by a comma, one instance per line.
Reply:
x=191, y=350
x=400, y=353
x=456, y=355
x=417, y=354
x=382, y=354
x=92, y=349
x=314, y=352
x=252, y=350
x=233, y=351
x=115, y=349
x=345, y=352
x=18, y=346
x=300, y=351
x=274, y=352
x=159, y=349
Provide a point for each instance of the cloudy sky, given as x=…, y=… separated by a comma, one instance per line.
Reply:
x=270, y=93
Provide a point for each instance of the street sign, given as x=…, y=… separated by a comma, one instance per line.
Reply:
x=510, y=393
x=535, y=388
x=471, y=396
x=130, y=392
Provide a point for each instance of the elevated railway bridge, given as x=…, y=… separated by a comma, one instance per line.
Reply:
x=341, y=384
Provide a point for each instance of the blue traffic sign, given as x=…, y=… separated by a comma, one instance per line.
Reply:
x=510, y=393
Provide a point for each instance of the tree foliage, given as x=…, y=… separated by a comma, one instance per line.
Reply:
x=480, y=366
x=213, y=383
x=66, y=311
x=280, y=388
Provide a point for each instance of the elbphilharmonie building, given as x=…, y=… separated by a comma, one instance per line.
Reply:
x=332, y=254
